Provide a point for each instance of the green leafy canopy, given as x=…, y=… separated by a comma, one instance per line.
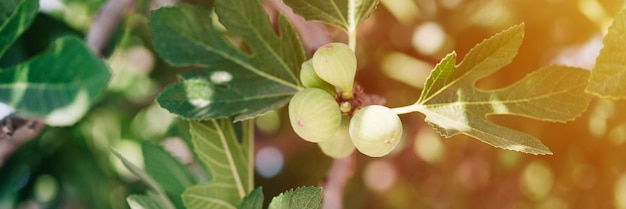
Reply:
x=230, y=82
x=67, y=75
x=452, y=103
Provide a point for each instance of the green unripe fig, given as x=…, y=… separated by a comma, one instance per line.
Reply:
x=375, y=130
x=310, y=79
x=335, y=63
x=339, y=145
x=314, y=114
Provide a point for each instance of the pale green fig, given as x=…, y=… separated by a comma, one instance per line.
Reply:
x=310, y=79
x=339, y=145
x=335, y=63
x=314, y=114
x=375, y=130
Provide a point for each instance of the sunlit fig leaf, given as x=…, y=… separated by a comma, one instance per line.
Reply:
x=231, y=82
x=453, y=105
x=608, y=77
x=216, y=146
x=346, y=14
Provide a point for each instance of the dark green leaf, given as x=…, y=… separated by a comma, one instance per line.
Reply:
x=166, y=170
x=67, y=76
x=302, y=198
x=608, y=77
x=232, y=83
x=15, y=17
x=346, y=14
x=280, y=56
x=217, y=147
x=204, y=94
x=254, y=200
x=452, y=103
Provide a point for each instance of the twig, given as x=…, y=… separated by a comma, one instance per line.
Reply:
x=16, y=134
x=312, y=34
x=104, y=23
x=335, y=182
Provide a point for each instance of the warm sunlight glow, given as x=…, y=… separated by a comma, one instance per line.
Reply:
x=600, y=114
x=595, y=12
x=619, y=194
x=379, y=175
x=406, y=69
x=473, y=174
x=584, y=176
x=404, y=10
x=429, y=38
x=536, y=180
x=617, y=134
x=428, y=145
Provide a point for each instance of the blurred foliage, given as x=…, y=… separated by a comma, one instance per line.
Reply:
x=72, y=167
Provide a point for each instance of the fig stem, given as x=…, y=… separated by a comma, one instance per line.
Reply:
x=347, y=95
x=405, y=109
x=248, y=141
x=352, y=40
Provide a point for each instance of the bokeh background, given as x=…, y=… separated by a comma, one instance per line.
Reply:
x=398, y=45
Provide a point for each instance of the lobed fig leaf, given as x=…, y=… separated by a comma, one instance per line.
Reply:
x=314, y=114
x=454, y=105
x=375, y=130
x=339, y=145
x=335, y=63
x=231, y=83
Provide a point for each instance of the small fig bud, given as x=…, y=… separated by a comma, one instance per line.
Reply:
x=339, y=144
x=310, y=79
x=314, y=114
x=375, y=130
x=335, y=63
x=345, y=107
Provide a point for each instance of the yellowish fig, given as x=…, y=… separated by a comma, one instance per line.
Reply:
x=375, y=130
x=339, y=145
x=314, y=114
x=335, y=63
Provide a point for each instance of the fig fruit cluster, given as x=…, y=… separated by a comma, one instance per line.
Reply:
x=321, y=114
